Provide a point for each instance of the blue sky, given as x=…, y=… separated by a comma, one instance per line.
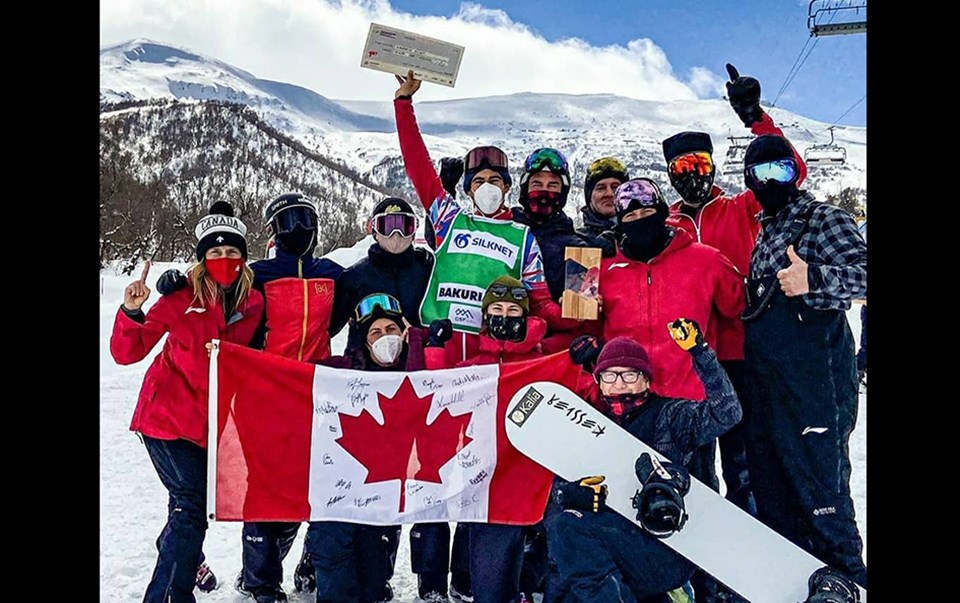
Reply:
x=763, y=38
x=661, y=50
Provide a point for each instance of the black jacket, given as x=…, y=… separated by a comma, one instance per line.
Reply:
x=594, y=224
x=404, y=276
x=553, y=236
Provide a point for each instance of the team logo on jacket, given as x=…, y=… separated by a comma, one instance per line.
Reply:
x=456, y=292
x=485, y=244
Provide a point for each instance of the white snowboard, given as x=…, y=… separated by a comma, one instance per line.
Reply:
x=556, y=428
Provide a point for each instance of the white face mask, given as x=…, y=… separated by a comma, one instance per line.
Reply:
x=386, y=349
x=395, y=243
x=488, y=198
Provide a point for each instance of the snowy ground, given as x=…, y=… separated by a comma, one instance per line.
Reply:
x=133, y=502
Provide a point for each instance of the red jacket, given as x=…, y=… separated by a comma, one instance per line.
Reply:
x=173, y=398
x=495, y=351
x=730, y=224
x=687, y=279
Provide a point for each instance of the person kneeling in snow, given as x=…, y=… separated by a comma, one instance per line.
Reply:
x=596, y=554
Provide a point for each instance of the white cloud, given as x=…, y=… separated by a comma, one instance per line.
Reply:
x=317, y=44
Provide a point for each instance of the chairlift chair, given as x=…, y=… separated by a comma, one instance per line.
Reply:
x=823, y=155
x=822, y=15
x=733, y=162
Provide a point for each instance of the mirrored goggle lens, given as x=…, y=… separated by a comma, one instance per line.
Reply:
x=368, y=303
x=500, y=291
x=606, y=164
x=550, y=159
x=294, y=217
x=636, y=193
x=782, y=171
x=387, y=224
x=699, y=163
x=492, y=156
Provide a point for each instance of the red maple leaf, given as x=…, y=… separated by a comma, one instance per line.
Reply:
x=404, y=447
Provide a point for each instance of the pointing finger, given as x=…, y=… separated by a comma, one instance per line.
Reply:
x=146, y=270
x=732, y=72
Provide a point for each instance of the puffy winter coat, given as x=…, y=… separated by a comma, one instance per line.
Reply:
x=402, y=275
x=173, y=398
x=495, y=351
x=730, y=223
x=686, y=279
x=675, y=427
x=299, y=293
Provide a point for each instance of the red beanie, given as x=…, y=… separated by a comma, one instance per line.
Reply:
x=625, y=352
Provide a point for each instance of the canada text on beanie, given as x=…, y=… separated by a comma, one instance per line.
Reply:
x=220, y=227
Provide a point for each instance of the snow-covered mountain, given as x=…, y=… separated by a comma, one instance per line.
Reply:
x=361, y=137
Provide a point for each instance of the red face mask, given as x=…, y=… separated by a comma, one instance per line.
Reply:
x=224, y=270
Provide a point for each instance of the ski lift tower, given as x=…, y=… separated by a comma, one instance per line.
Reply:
x=733, y=162
x=823, y=15
x=822, y=155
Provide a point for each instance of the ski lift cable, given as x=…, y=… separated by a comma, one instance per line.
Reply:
x=789, y=73
x=847, y=111
x=793, y=75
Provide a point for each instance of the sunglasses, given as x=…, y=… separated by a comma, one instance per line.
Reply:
x=387, y=224
x=781, y=171
x=628, y=377
x=368, y=304
x=635, y=194
x=698, y=162
x=546, y=159
x=500, y=291
x=606, y=165
x=491, y=156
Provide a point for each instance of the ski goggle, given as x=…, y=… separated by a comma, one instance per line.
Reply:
x=387, y=224
x=698, y=162
x=491, y=156
x=500, y=291
x=368, y=304
x=608, y=165
x=546, y=159
x=634, y=194
x=781, y=171
x=293, y=217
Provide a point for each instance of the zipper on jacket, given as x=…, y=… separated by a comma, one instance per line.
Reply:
x=303, y=328
x=299, y=267
x=649, y=277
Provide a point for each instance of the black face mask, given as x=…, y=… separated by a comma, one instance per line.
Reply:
x=646, y=237
x=693, y=188
x=774, y=197
x=620, y=404
x=506, y=328
x=298, y=242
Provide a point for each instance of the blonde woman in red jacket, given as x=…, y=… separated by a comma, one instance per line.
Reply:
x=171, y=412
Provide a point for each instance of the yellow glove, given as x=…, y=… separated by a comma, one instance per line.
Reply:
x=686, y=333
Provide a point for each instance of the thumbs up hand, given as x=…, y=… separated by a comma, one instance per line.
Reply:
x=793, y=278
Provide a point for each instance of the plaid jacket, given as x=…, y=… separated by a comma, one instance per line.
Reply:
x=831, y=244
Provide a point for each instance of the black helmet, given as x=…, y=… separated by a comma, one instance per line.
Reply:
x=289, y=211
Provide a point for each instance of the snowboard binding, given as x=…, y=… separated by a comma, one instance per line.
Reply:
x=827, y=585
x=659, y=503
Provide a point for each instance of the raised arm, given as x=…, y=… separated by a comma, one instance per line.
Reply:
x=416, y=158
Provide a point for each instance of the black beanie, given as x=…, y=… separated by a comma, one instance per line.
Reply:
x=605, y=167
x=686, y=142
x=220, y=227
x=392, y=205
x=768, y=147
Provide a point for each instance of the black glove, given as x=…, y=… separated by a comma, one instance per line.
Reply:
x=584, y=494
x=744, y=94
x=451, y=171
x=827, y=585
x=659, y=504
x=170, y=281
x=585, y=350
x=441, y=330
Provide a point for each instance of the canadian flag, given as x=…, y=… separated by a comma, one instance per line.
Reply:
x=294, y=441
